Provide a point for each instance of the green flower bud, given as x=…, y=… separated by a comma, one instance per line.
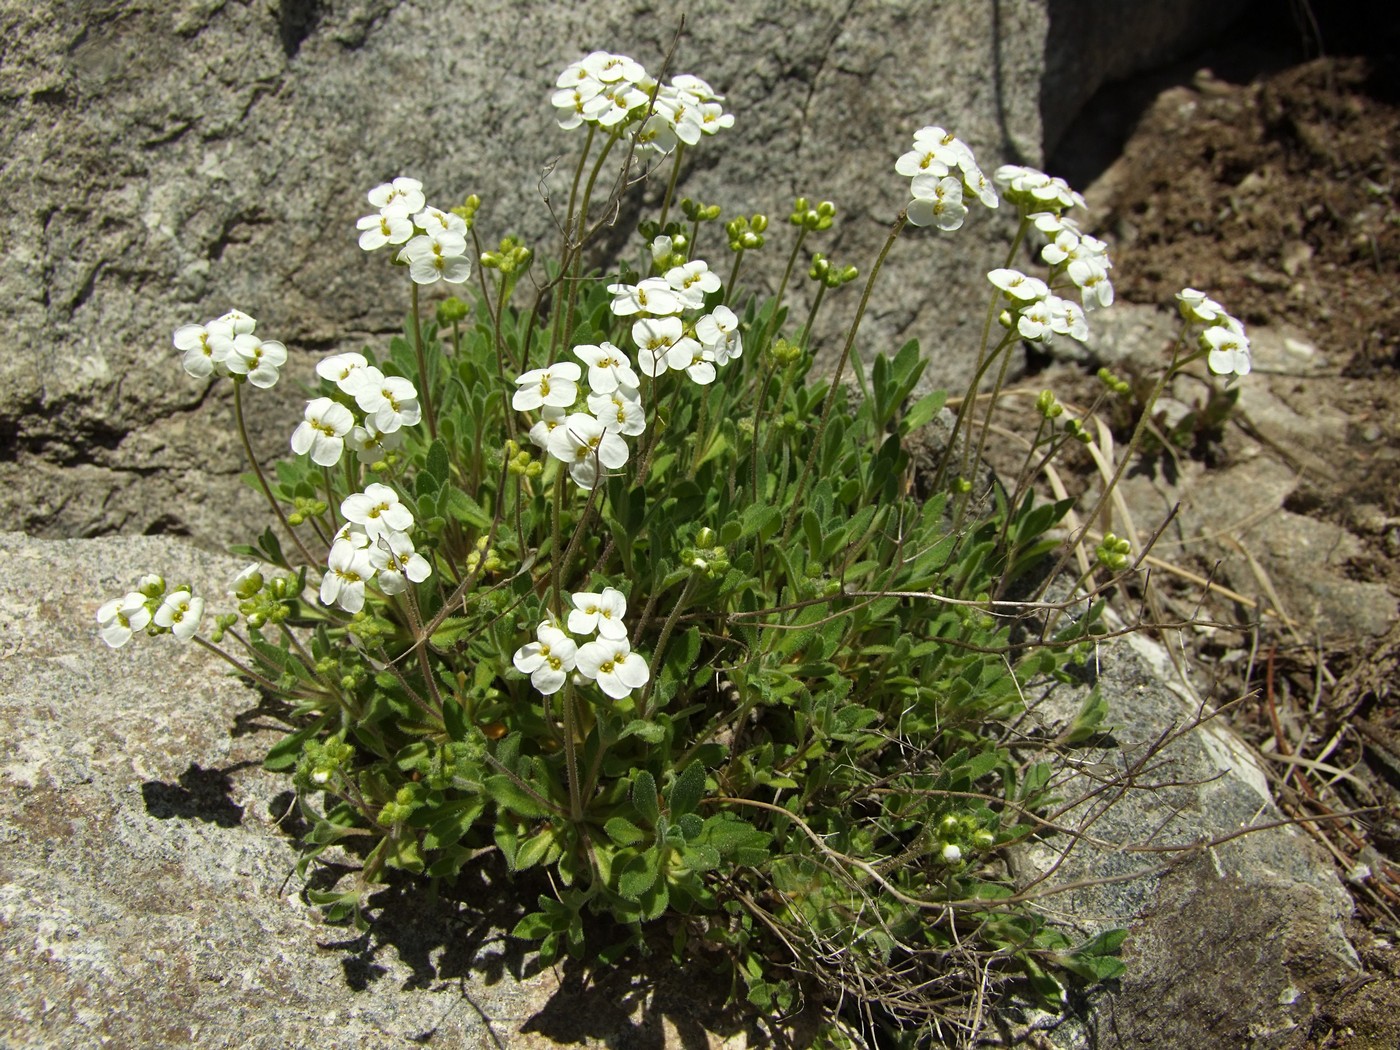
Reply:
x=451, y=311
x=1108, y=379
x=705, y=537
x=983, y=839
x=949, y=826
x=1113, y=553
x=467, y=210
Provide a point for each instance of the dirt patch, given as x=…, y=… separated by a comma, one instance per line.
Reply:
x=1278, y=193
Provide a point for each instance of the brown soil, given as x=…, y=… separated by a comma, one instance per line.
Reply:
x=1279, y=195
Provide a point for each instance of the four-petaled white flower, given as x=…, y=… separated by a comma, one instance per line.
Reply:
x=205, y=346
x=256, y=359
x=384, y=227
x=377, y=510
x=1017, y=286
x=611, y=663
x=547, y=660
x=397, y=563
x=608, y=368
x=602, y=613
x=718, y=332
x=656, y=338
x=556, y=385
x=693, y=281
x=653, y=296
x=403, y=196
x=121, y=617
x=438, y=256
x=348, y=569
x=620, y=410
x=1227, y=348
x=586, y=446
x=937, y=202
x=322, y=432
x=391, y=401
x=369, y=443
x=338, y=368
x=180, y=613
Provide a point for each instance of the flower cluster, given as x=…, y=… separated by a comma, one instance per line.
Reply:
x=614, y=92
x=672, y=333
x=606, y=658
x=388, y=404
x=226, y=346
x=374, y=542
x=150, y=608
x=1037, y=313
x=434, y=241
x=1221, y=338
x=943, y=170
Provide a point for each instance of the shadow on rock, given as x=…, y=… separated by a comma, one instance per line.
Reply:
x=200, y=794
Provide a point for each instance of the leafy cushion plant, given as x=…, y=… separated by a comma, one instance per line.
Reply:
x=599, y=573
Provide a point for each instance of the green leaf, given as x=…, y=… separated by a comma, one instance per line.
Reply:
x=534, y=926
x=511, y=796
x=644, y=796
x=922, y=411
x=1088, y=722
x=639, y=875
x=651, y=732
x=686, y=791
x=533, y=850
x=284, y=754
x=438, y=465
x=623, y=831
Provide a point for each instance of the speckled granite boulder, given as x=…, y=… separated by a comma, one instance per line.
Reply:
x=168, y=160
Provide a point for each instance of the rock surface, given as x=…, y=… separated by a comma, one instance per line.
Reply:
x=170, y=160
x=1230, y=944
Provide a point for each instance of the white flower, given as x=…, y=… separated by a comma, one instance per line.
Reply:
x=556, y=385
x=432, y=257
x=608, y=367
x=937, y=202
x=397, y=563
x=180, y=612
x=951, y=853
x=348, y=569
x=1199, y=308
x=1228, y=348
x=403, y=196
x=602, y=613
x=384, y=227
x=369, y=443
x=693, y=281
x=119, y=618
x=1067, y=318
x=322, y=431
x=391, y=401
x=697, y=361
x=239, y=322
x=653, y=296
x=338, y=368
x=1034, y=190
x=204, y=346
x=1017, y=286
x=547, y=660
x=257, y=359
x=935, y=151
x=620, y=410
x=435, y=220
x=550, y=417
x=613, y=665
x=585, y=445
x=656, y=337
x=377, y=510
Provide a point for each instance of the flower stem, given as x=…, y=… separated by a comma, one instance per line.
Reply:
x=424, y=379
x=836, y=378
x=671, y=186
x=262, y=479
x=660, y=651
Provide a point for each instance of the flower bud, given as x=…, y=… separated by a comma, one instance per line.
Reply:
x=949, y=825
x=451, y=311
x=705, y=537
x=984, y=839
x=951, y=853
